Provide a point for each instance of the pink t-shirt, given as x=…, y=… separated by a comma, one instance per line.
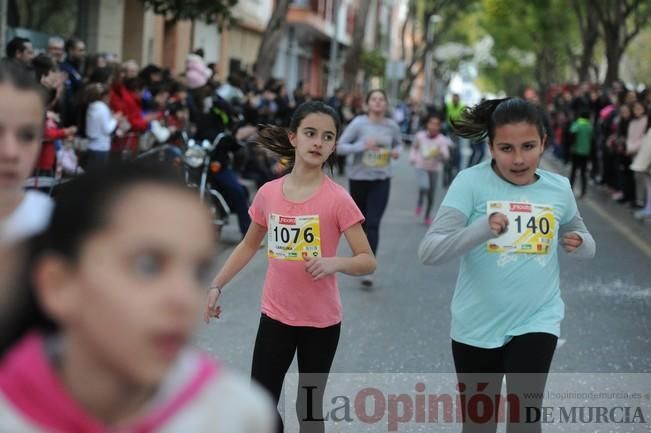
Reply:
x=427, y=153
x=290, y=295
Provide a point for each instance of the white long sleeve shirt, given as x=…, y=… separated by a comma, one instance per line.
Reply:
x=100, y=124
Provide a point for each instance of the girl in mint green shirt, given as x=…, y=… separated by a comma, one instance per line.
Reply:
x=506, y=219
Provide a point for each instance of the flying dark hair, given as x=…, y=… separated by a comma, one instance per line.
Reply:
x=276, y=139
x=480, y=121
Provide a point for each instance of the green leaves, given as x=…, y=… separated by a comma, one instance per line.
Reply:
x=210, y=11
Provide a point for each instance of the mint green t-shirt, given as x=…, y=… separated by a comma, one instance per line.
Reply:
x=500, y=295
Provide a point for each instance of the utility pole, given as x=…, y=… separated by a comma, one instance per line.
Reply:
x=3, y=24
x=334, y=51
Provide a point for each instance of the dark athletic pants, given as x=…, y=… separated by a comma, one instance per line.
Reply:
x=529, y=353
x=371, y=197
x=275, y=346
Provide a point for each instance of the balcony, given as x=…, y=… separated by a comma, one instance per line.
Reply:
x=314, y=20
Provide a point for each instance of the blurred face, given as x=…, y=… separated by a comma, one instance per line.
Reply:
x=455, y=99
x=132, y=300
x=377, y=103
x=21, y=127
x=27, y=53
x=624, y=112
x=130, y=70
x=516, y=150
x=55, y=51
x=433, y=126
x=638, y=110
x=161, y=98
x=78, y=52
x=314, y=140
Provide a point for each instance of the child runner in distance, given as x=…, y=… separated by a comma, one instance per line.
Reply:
x=506, y=218
x=22, y=115
x=303, y=214
x=118, y=295
x=429, y=150
x=373, y=140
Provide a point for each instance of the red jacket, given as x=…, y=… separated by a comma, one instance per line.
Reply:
x=47, y=158
x=128, y=103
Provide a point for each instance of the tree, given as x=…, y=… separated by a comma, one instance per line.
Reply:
x=588, y=25
x=527, y=46
x=621, y=21
x=48, y=16
x=268, y=50
x=354, y=55
x=422, y=14
x=210, y=11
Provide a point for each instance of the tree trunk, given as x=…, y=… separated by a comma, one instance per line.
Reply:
x=13, y=14
x=354, y=55
x=403, y=32
x=613, y=56
x=589, y=40
x=408, y=82
x=271, y=38
x=621, y=21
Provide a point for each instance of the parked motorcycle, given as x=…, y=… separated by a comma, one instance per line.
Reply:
x=199, y=166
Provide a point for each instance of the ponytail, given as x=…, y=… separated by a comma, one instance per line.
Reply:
x=276, y=138
x=480, y=121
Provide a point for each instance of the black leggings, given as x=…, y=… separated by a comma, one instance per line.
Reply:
x=580, y=163
x=483, y=370
x=275, y=346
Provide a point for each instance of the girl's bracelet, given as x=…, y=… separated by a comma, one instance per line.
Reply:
x=219, y=289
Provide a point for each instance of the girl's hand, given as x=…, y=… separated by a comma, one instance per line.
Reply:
x=320, y=267
x=71, y=131
x=572, y=241
x=370, y=144
x=498, y=223
x=212, y=309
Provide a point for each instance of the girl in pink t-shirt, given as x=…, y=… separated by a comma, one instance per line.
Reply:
x=303, y=216
x=427, y=154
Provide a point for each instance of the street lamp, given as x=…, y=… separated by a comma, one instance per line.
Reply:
x=429, y=56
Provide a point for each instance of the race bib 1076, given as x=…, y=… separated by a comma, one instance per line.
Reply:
x=531, y=228
x=293, y=237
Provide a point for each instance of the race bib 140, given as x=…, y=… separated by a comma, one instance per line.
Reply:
x=531, y=228
x=293, y=237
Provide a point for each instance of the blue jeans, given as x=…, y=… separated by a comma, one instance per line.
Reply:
x=235, y=194
x=371, y=197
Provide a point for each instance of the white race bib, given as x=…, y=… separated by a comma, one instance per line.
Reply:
x=531, y=228
x=377, y=158
x=294, y=237
x=429, y=152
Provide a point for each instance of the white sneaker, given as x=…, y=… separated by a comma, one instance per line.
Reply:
x=367, y=281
